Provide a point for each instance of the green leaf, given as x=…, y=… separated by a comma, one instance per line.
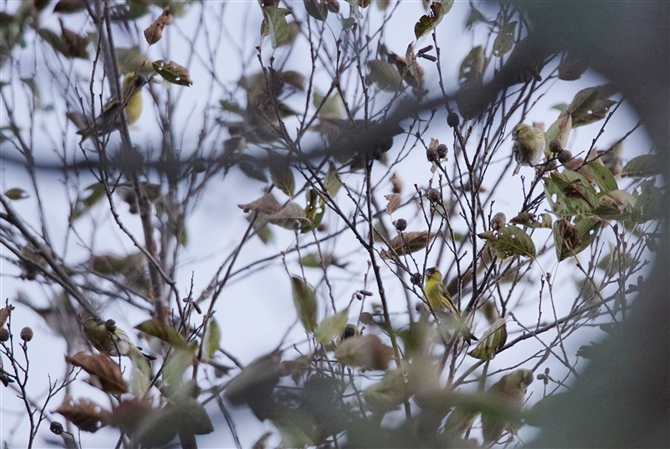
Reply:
x=230, y=107
x=590, y=105
x=642, y=167
x=163, y=332
x=175, y=367
x=511, y=240
x=292, y=216
x=474, y=17
x=212, y=338
x=649, y=204
x=491, y=342
x=330, y=107
x=569, y=193
x=603, y=177
x=385, y=75
x=472, y=67
x=560, y=107
x=278, y=27
x=282, y=175
x=173, y=72
x=34, y=89
x=428, y=22
x=252, y=168
x=317, y=9
x=504, y=40
x=140, y=374
x=617, y=205
x=304, y=299
x=446, y=5
x=131, y=59
x=314, y=260
x=332, y=180
x=587, y=227
x=331, y=327
x=388, y=394
x=263, y=231
x=193, y=418
x=572, y=239
x=16, y=194
x=82, y=206
x=560, y=130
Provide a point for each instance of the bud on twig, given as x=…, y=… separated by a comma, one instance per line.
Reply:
x=56, y=428
x=401, y=224
x=453, y=120
x=26, y=334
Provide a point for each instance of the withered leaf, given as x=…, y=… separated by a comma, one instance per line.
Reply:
x=85, y=414
x=107, y=374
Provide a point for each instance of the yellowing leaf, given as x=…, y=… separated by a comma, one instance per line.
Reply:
x=162, y=332
x=642, y=167
x=560, y=130
x=292, y=216
x=331, y=327
x=491, y=342
x=472, y=67
x=332, y=180
x=330, y=107
x=267, y=204
x=278, y=27
x=16, y=194
x=387, y=394
x=212, y=338
x=304, y=299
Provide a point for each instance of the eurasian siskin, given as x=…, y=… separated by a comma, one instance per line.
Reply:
x=440, y=301
x=108, y=122
x=511, y=390
x=106, y=337
x=528, y=145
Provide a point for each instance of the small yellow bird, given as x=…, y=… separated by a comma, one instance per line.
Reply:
x=106, y=337
x=528, y=145
x=440, y=300
x=511, y=389
x=107, y=121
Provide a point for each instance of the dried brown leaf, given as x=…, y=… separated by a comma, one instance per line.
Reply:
x=154, y=32
x=393, y=203
x=86, y=415
x=106, y=374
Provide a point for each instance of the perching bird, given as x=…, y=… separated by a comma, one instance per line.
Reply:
x=511, y=390
x=108, y=120
x=350, y=330
x=440, y=300
x=528, y=145
x=106, y=337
